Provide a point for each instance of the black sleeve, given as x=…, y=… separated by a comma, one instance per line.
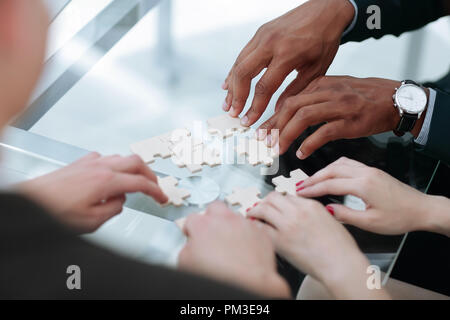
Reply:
x=35, y=252
x=397, y=17
x=438, y=144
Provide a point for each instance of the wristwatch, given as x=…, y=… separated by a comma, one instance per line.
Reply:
x=410, y=99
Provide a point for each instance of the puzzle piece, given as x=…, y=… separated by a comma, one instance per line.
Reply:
x=257, y=151
x=225, y=125
x=159, y=146
x=194, y=156
x=246, y=198
x=288, y=185
x=176, y=195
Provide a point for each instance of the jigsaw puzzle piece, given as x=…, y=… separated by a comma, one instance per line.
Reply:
x=159, y=146
x=225, y=125
x=245, y=197
x=176, y=195
x=151, y=148
x=257, y=151
x=193, y=157
x=288, y=185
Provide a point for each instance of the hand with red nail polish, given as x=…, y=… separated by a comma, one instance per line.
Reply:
x=305, y=234
x=388, y=206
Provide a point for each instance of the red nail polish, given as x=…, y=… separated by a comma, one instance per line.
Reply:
x=248, y=209
x=330, y=209
x=255, y=204
x=300, y=189
x=299, y=183
x=252, y=218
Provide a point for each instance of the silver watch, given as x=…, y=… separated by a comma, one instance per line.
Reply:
x=411, y=100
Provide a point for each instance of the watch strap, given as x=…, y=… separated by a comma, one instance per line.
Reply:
x=407, y=123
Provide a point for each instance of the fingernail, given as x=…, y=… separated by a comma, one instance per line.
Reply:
x=248, y=209
x=244, y=121
x=224, y=85
x=299, y=154
x=300, y=189
x=330, y=209
x=255, y=204
x=299, y=183
x=231, y=111
x=252, y=218
x=261, y=134
x=225, y=106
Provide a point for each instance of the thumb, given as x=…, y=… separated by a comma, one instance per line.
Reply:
x=349, y=216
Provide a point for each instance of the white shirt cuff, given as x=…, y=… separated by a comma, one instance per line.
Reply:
x=355, y=18
x=422, y=139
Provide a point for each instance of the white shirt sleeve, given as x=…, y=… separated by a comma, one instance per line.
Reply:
x=355, y=18
x=422, y=138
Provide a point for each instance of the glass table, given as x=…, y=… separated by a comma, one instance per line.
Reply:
x=121, y=77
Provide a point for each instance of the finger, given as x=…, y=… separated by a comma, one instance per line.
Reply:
x=338, y=187
x=228, y=84
x=359, y=219
x=132, y=164
x=88, y=157
x=267, y=213
x=193, y=224
x=264, y=89
x=295, y=87
x=243, y=74
x=280, y=203
x=267, y=127
x=326, y=133
x=269, y=230
x=108, y=209
x=123, y=183
x=334, y=170
x=218, y=207
x=303, y=118
x=294, y=104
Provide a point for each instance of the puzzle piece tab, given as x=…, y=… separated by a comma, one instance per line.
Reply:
x=225, y=125
x=288, y=185
x=176, y=195
x=257, y=151
x=246, y=198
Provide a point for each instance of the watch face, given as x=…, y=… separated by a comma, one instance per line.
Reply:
x=411, y=98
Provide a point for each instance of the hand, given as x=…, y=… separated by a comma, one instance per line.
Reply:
x=230, y=248
x=305, y=39
x=350, y=108
x=308, y=237
x=90, y=191
x=392, y=207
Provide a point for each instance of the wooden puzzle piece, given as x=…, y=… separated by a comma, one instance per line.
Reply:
x=176, y=195
x=159, y=146
x=225, y=125
x=193, y=157
x=288, y=185
x=246, y=198
x=257, y=151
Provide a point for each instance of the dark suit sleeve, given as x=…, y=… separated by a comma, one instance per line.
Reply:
x=397, y=17
x=438, y=144
x=35, y=252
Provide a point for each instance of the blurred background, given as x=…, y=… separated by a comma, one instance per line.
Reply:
x=121, y=71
